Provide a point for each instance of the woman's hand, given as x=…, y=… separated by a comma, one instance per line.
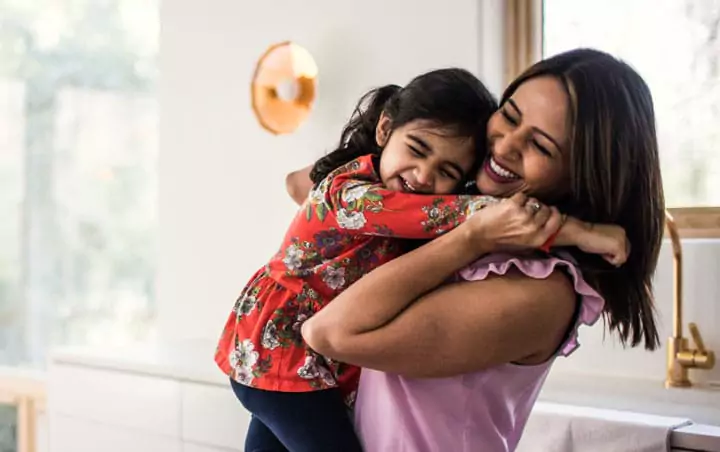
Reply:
x=516, y=223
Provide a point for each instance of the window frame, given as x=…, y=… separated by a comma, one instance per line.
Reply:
x=523, y=47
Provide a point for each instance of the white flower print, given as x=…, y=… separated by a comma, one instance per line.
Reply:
x=326, y=376
x=244, y=375
x=245, y=304
x=354, y=191
x=311, y=371
x=479, y=203
x=244, y=356
x=308, y=370
x=317, y=195
x=270, y=339
x=299, y=320
x=293, y=257
x=350, y=220
x=334, y=277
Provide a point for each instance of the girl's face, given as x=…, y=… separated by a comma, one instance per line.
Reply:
x=529, y=138
x=420, y=157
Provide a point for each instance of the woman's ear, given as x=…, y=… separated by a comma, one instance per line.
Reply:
x=383, y=130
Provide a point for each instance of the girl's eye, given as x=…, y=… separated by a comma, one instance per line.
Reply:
x=449, y=175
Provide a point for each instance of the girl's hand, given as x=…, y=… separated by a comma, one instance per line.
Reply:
x=516, y=223
x=607, y=240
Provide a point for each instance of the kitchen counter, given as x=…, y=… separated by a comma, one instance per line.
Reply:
x=192, y=362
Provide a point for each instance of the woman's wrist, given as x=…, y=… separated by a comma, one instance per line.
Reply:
x=472, y=240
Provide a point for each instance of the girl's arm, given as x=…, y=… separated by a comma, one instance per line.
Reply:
x=352, y=199
x=298, y=184
x=607, y=240
x=392, y=319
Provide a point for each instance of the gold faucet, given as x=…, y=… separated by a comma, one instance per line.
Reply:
x=680, y=356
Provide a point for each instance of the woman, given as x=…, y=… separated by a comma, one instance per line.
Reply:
x=576, y=130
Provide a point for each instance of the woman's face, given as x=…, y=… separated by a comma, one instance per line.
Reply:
x=529, y=138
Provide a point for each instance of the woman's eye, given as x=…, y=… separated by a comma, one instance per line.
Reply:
x=542, y=148
x=509, y=118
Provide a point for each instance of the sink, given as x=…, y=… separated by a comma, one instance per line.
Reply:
x=701, y=403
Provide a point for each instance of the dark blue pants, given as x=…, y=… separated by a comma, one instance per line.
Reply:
x=315, y=421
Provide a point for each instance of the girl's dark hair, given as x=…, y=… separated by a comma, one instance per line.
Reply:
x=452, y=98
x=614, y=178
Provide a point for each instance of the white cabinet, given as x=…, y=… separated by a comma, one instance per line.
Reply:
x=189, y=447
x=212, y=415
x=140, y=402
x=68, y=434
x=112, y=410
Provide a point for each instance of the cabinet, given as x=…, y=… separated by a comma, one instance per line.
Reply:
x=160, y=410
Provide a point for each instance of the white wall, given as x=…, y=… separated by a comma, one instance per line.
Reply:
x=223, y=207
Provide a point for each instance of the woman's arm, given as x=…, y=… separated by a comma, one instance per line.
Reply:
x=458, y=328
x=298, y=184
x=462, y=328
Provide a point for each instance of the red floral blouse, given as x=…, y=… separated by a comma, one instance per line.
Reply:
x=349, y=225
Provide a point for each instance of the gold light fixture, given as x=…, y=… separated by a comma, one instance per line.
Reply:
x=284, y=87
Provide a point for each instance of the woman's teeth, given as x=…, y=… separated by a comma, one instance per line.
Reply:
x=500, y=171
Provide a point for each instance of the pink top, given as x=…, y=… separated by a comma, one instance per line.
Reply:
x=481, y=411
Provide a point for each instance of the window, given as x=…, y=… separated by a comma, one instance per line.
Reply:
x=8, y=428
x=675, y=46
x=78, y=149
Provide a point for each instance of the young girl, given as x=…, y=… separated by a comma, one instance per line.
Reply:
x=399, y=158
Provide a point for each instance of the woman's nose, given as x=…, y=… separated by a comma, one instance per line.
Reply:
x=509, y=146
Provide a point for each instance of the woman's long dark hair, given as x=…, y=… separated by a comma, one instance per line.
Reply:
x=614, y=177
x=453, y=98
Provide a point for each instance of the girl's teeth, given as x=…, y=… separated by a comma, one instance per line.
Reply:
x=500, y=171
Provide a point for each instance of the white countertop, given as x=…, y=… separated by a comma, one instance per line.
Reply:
x=700, y=404
x=191, y=361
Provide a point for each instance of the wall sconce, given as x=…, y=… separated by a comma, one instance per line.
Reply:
x=284, y=87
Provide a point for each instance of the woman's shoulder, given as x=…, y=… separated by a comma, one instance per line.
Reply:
x=590, y=302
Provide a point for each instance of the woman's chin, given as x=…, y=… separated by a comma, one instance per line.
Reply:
x=489, y=187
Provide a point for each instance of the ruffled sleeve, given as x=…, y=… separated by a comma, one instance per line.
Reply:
x=591, y=303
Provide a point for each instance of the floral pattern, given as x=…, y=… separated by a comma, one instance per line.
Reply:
x=348, y=226
x=243, y=359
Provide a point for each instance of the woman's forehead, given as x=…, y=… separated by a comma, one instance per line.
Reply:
x=544, y=104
